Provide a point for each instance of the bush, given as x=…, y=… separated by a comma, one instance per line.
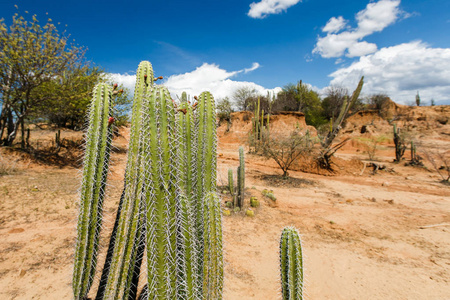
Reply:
x=285, y=149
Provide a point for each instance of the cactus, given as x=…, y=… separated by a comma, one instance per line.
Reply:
x=169, y=208
x=212, y=253
x=241, y=178
x=205, y=163
x=230, y=181
x=399, y=142
x=95, y=169
x=291, y=264
x=327, y=151
x=131, y=224
x=187, y=271
x=159, y=159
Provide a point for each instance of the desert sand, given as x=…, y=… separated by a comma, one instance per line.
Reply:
x=365, y=235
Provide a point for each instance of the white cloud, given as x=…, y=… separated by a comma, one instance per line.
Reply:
x=207, y=77
x=335, y=25
x=210, y=77
x=266, y=7
x=400, y=71
x=374, y=18
x=254, y=66
x=127, y=80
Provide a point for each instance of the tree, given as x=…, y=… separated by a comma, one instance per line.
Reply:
x=284, y=149
x=30, y=56
x=65, y=98
x=301, y=97
x=241, y=95
x=224, y=110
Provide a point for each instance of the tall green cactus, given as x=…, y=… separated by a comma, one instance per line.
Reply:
x=129, y=231
x=96, y=163
x=205, y=163
x=241, y=178
x=291, y=264
x=159, y=158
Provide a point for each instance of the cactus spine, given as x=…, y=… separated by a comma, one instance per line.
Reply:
x=96, y=163
x=241, y=178
x=291, y=264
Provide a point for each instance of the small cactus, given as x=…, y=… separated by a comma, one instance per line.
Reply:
x=291, y=264
x=241, y=178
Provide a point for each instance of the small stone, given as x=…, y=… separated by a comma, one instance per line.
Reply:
x=22, y=273
x=385, y=184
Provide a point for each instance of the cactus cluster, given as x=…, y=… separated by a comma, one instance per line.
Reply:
x=169, y=211
x=258, y=127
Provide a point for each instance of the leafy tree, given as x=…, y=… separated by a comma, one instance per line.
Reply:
x=417, y=99
x=30, y=55
x=65, y=98
x=301, y=97
x=224, y=110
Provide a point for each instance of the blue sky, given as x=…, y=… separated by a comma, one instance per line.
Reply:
x=401, y=47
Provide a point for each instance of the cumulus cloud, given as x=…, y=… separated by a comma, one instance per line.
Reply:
x=400, y=71
x=127, y=80
x=210, y=77
x=374, y=18
x=263, y=8
x=207, y=77
x=335, y=24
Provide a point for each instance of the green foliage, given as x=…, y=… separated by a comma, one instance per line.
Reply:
x=291, y=264
x=224, y=110
x=417, y=99
x=30, y=56
x=66, y=97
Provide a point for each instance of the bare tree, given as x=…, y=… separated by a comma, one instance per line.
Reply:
x=241, y=95
x=285, y=149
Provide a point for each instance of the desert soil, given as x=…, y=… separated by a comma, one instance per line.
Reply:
x=364, y=235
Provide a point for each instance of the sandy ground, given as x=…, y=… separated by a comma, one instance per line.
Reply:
x=369, y=236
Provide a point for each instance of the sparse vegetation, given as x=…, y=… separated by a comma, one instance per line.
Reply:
x=328, y=150
x=286, y=149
